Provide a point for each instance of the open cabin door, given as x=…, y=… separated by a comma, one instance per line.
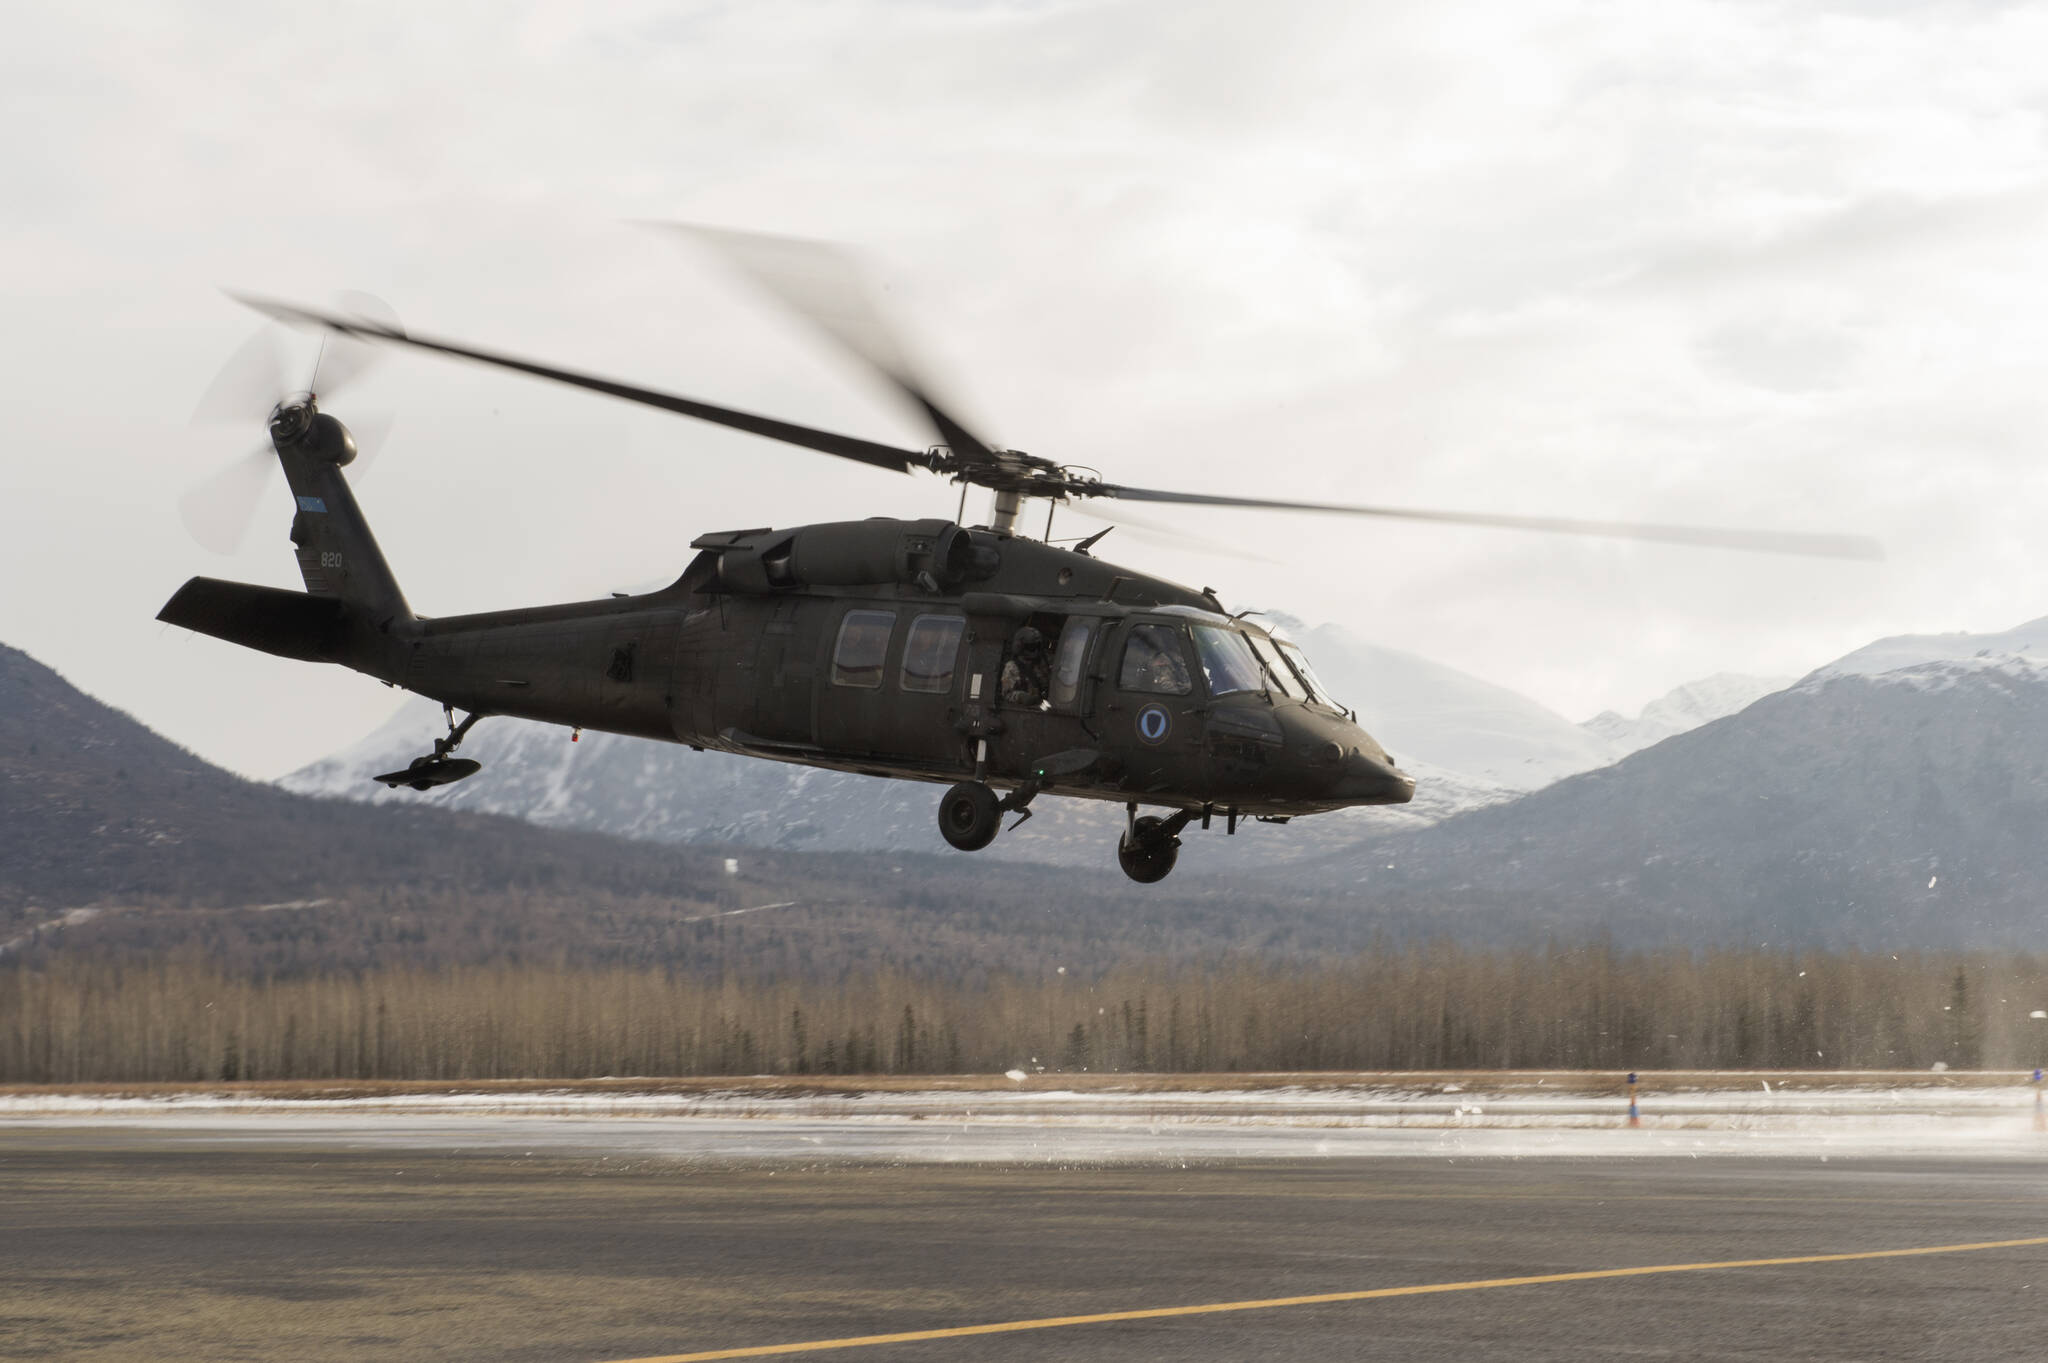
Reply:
x=1054, y=727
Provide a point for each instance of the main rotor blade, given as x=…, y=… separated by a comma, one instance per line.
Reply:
x=344, y=359
x=1141, y=528
x=1764, y=541
x=824, y=285
x=826, y=442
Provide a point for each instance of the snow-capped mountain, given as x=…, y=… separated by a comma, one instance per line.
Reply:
x=1469, y=742
x=2024, y=647
x=1896, y=797
x=1687, y=707
x=1451, y=723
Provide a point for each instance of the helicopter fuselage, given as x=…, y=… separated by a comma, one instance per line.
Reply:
x=903, y=678
x=880, y=646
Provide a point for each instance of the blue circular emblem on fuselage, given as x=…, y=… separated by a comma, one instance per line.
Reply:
x=1153, y=723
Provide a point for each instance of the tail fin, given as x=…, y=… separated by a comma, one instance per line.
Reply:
x=338, y=556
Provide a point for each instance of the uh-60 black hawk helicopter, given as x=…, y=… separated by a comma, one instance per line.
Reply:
x=1002, y=666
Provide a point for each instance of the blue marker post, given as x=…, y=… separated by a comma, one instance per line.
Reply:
x=1635, y=1118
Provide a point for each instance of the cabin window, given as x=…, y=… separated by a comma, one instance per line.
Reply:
x=1228, y=663
x=863, y=647
x=931, y=655
x=1066, y=663
x=1277, y=671
x=1155, y=661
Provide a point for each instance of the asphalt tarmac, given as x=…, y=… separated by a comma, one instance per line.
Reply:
x=133, y=1244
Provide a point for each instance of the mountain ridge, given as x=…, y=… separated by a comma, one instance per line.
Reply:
x=1899, y=800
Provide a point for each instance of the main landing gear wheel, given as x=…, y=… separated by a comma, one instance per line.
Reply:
x=970, y=816
x=427, y=772
x=441, y=769
x=1147, y=853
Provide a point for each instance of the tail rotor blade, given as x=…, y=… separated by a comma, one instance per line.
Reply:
x=250, y=383
x=218, y=509
x=371, y=430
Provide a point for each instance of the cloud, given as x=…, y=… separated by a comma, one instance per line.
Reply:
x=1752, y=264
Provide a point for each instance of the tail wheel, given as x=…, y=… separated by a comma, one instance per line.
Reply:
x=1150, y=852
x=969, y=816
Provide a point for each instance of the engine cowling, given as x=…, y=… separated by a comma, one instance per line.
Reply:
x=933, y=553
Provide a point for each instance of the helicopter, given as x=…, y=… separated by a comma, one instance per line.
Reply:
x=1001, y=666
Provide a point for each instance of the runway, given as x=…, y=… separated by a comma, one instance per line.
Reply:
x=534, y=1238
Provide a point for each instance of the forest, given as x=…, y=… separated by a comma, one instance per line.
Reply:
x=1416, y=1006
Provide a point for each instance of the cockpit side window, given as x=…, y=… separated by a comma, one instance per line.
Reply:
x=1277, y=671
x=1154, y=661
x=1308, y=676
x=1228, y=663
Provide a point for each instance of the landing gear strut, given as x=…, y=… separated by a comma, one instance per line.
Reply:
x=425, y=773
x=1150, y=845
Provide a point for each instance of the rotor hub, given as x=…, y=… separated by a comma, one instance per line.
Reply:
x=298, y=424
x=292, y=418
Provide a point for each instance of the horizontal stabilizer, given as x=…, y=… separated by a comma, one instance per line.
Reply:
x=288, y=624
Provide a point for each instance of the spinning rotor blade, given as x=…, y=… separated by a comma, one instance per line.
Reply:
x=256, y=379
x=1765, y=541
x=344, y=359
x=218, y=509
x=250, y=383
x=826, y=442
x=371, y=430
x=824, y=285
x=1140, y=528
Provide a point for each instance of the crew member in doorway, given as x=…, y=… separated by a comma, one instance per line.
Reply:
x=1025, y=675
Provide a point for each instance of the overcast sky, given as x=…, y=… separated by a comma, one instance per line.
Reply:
x=1765, y=265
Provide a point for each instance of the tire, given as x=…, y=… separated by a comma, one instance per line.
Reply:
x=970, y=816
x=1151, y=858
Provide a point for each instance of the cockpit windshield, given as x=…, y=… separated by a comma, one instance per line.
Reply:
x=1278, y=673
x=1308, y=675
x=1227, y=661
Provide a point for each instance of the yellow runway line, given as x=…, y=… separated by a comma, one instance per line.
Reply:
x=1320, y=1299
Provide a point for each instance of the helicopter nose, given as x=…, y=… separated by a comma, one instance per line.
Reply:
x=1366, y=780
x=1348, y=764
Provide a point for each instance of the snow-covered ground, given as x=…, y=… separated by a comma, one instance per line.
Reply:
x=1035, y=1121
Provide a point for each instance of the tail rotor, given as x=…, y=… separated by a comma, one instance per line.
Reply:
x=255, y=386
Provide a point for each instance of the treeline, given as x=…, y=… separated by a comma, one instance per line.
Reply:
x=1422, y=1007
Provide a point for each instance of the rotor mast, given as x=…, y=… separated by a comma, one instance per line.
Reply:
x=1008, y=509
